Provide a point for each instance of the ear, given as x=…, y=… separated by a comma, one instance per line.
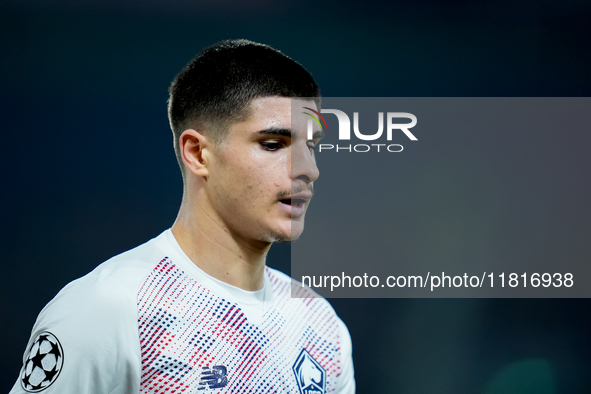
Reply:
x=194, y=148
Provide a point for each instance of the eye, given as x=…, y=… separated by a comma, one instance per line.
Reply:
x=271, y=146
x=312, y=145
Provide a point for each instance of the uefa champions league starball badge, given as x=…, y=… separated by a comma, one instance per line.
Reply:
x=43, y=363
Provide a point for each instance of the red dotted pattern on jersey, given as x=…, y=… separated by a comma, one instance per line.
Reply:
x=183, y=327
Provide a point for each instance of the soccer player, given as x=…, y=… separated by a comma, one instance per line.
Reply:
x=196, y=309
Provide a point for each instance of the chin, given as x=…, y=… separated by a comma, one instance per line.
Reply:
x=296, y=228
x=275, y=236
x=289, y=234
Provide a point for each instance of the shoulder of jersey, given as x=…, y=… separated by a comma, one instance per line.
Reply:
x=122, y=273
x=136, y=262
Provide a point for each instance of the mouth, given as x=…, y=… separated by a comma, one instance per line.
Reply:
x=295, y=205
x=294, y=202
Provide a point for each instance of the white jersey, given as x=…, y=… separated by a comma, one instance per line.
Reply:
x=150, y=321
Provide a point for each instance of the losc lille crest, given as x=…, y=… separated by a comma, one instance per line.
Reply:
x=310, y=376
x=43, y=363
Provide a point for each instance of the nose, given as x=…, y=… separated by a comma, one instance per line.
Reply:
x=303, y=163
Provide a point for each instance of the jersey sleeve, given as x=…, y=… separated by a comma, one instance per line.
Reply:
x=84, y=341
x=347, y=381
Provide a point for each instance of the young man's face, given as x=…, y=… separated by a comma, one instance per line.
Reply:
x=261, y=176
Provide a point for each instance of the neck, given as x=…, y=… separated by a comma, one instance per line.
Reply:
x=212, y=247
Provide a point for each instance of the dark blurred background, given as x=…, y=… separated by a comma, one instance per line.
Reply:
x=88, y=169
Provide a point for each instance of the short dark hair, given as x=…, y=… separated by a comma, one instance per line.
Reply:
x=215, y=89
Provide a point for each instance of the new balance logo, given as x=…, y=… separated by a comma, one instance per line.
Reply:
x=214, y=378
x=310, y=376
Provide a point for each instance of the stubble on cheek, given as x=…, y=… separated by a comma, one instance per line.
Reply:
x=249, y=186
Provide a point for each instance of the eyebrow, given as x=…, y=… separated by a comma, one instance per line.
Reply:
x=288, y=132
x=277, y=131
